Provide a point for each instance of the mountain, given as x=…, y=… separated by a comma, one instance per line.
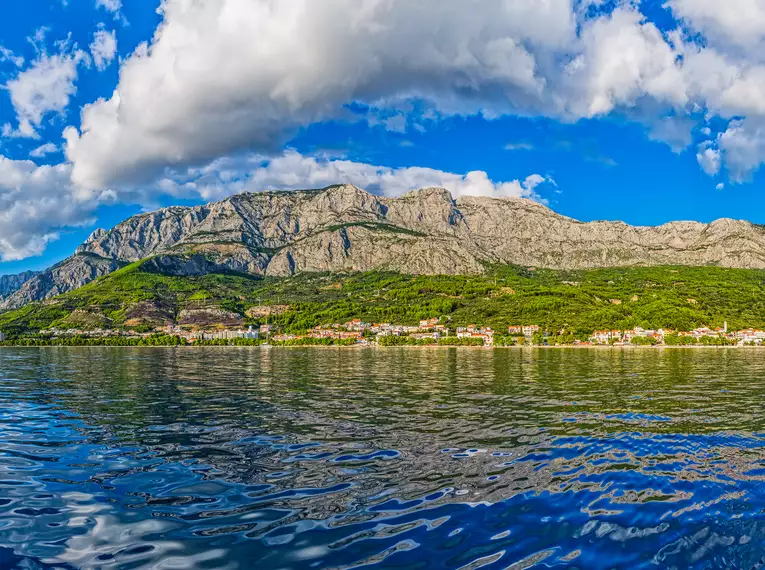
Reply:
x=343, y=229
x=12, y=283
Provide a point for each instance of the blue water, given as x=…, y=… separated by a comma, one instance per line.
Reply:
x=394, y=458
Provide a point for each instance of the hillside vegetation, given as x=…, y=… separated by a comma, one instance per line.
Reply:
x=579, y=301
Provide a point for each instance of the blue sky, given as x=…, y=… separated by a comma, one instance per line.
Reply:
x=645, y=112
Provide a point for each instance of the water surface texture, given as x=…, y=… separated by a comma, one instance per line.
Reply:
x=394, y=458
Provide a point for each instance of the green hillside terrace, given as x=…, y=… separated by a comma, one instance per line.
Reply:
x=577, y=301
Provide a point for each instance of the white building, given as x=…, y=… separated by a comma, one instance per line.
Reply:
x=2, y=337
x=250, y=333
x=227, y=335
x=604, y=337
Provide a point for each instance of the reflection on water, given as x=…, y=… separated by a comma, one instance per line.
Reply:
x=332, y=458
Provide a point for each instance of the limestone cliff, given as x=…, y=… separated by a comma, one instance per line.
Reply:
x=344, y=229
x=70, y=274
x=12, y=283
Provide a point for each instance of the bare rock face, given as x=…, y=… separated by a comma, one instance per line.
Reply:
x=143, y=235
x=66, y=276
x=12, y=283
x=361, y=249
x=345, y=229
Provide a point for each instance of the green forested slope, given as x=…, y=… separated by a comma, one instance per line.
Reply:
x=580, y=301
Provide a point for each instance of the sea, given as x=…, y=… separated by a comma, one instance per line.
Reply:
x=400, y=458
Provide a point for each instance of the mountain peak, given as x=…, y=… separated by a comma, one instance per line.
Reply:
x=430, y=193
x=96, y=234
x=345, y=189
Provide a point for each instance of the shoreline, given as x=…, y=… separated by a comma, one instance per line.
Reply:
x=425, y=347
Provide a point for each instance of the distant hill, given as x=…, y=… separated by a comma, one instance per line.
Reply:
x=343, y=229
x=184, y=290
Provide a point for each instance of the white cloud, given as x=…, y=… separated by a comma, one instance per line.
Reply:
x=720, y=186
x=225, y=75
x=743, y=146
x=519, y=146
x=737, y=22
x=44, y=150
x=44, y=87
x=709, y=159
x=104, y=48
x=25, y=130
x=624, y=59
x=674, y=131
x=36, y=204
x=292, y=170
x=113, y=6
x=8, y=55
x=222, y=76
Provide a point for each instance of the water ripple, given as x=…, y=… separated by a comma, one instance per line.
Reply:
x=217, y=458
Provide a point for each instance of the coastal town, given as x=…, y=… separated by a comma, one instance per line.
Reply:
x=427, y=333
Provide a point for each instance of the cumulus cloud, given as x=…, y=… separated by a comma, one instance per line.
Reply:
x=220, y=76
x=104, y=48
x=36, y=204
x=292, y=170
x=735, y=22
x=46, y=86
x=625, y=58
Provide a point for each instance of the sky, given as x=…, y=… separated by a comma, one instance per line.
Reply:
x=642, y=111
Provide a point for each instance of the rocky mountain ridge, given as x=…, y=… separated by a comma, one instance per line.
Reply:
x=12, y=283
x=70, y=274
x=344, y=229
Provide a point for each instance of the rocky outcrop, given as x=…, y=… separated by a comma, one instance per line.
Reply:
x=66, y=276
x=362, y=249
x=209, y=316
x=264, y=311
x=345, y=229
x=12, y=283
